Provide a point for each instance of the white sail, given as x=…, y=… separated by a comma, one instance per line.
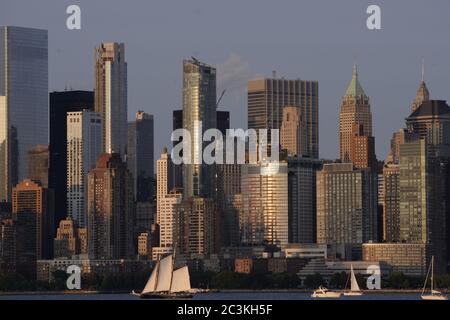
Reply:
x=151, y=283
x=164, y=274
x=180, y=280
x=354, y=283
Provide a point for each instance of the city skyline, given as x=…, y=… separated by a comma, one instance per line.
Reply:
x=390, y=77
x=84, y=184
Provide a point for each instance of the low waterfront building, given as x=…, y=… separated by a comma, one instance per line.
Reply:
x=46, y=268
x=408, y=258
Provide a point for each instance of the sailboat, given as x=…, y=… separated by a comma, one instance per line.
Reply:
x=354, y=287
x=165, y=282
x=435, y=295
x=323, y=292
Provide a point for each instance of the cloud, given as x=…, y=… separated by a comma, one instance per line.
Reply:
x=233, y=73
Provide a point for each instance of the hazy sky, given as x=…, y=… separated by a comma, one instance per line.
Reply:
x=314, y=40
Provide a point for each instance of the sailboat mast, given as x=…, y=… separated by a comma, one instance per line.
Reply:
x=157, y=272
x=432, y=273
x=173, y=267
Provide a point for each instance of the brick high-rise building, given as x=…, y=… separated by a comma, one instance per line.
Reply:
x=362, y=149
x=32, y=208
x=293, y=132
x=69, y=240
x=110, y=209
x=391, y=203
x=355, y=109
x=195, y=226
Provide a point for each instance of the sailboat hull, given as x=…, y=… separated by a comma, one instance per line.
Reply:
x=180, y=295
x=434, y=297
x=352, y=294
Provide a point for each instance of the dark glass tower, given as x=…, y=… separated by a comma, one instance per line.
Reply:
x=23, y=101
x=140, y=158
x=60, y=104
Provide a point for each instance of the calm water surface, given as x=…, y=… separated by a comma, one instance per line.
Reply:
x=218, y=296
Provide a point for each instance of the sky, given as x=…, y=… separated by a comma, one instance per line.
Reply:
x=246, y=39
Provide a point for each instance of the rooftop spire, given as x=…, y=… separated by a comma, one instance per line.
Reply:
x=354, y=88
x=423, y=70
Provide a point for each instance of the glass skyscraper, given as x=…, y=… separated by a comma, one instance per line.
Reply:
x=199, y=106
x=111, y=95
x=140, y=158
x=264, y=216
x=23, y=101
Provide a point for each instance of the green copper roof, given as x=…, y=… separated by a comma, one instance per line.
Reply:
x=354, y=88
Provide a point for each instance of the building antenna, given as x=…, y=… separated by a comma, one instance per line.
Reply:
x=423, y=69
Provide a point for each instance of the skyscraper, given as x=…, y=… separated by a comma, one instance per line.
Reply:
x=302, y=199
x=422, y=204
x=69, y=240
x=199, y=115
x=293, y=132
x=23, y=101
x=422, y=93
x=110, y=209
x=268, y=97
x=355, y=109
x=38, y=164
x=195, y=226
x=111, y=95
x=362, y=149
x=391, y=203
x=8, y=246
x=168, y=219
x=84, y=142
x=32, y=208
x=264, y=215
x=140, y=158
x=228, y=185
x=431, y=121
x=398, y=138
x=60, y=104
x=164, y=185
x=346, y=205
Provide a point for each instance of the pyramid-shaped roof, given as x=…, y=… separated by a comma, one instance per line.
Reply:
x=354, y=88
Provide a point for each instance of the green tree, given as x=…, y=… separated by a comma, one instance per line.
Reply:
x=59, y=280
x=339, y=280
x=313, y=281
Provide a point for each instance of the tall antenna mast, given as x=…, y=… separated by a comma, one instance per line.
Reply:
x=423, y=69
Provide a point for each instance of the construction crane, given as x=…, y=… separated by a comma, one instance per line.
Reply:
x=220, y=98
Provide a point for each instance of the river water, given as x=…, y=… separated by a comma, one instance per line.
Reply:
x=266, y=295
